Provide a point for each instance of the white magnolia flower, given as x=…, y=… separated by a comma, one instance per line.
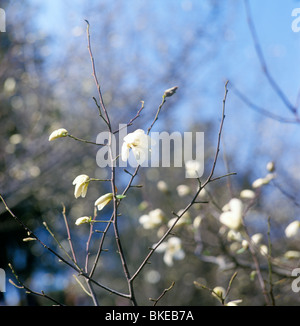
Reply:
x=153, y=219
x=247, y=194
x=293, y=230
x=257, y=238
x=219, y=292
x=162, y=186
x=103, y=201
x=172, y=249
x=292, y=254
x=139, y=143
x=271, y=166
x=81, y=183
x=192, y=169
x=263, y=181
x=58, y=134
x=233, y=215
x=183, y=190
x=82, y=220
x=234, y=303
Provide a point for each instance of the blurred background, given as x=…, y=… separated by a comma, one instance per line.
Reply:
x=142, y=48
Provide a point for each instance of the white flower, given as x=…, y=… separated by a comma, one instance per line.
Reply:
x=263, y=181
x=263, y=249
x=257, y=238
x=292, y=254
x=172, y=249
x=247, y=194
x=183, y=190
x=82, y=220
x=271, y=166
x=234, y=303
x=58, y=134
x=233, y=215
x=293, y=230
x=162, y=186
x=81, y=183
x=153, y=219
x=139, y=143
x=219, y=292
x=193, y=169
x=103, y=201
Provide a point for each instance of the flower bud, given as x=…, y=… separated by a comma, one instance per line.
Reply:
x=83, y=220
x=58, y=134
x=171, y=91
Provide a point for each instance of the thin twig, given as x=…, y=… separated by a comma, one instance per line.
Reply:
x=69, y=234
x=270, y=268
x=264, y=67
x=28, y=290
x=162, y=295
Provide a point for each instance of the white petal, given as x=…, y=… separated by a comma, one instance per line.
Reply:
x=125, y=152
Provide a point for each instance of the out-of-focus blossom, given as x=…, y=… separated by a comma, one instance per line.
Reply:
x=81, y=183
x=293, y=230
x=247, y=194
x=233, y=215
x=162, y=186
x=271, y=166
x=292, y=254
x=139, y=143
x=172, y=250
x=153, y=219
x=83, y=220
x=263, y=181
x=263, y=249
x=257, y=238
x=58, y=134
x=183, y=190
x=102, y=201
x=197, y=222
x=233, y=303
x=193, y=169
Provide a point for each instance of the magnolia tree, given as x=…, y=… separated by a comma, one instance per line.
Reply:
x=236, y=249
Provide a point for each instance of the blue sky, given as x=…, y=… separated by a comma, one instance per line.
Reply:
x=236, y=61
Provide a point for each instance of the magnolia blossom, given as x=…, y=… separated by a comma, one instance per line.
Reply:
x=263, y=181
x=233, y=216
x=81, y=183
x=162, y=186
x=139, y=143
x=219, y=292
x=293, y=230
x=153, y=219
x=234, y=303
x=257, y=238
x=82, y=220
x=183, y=190
x=292, y=254
x=58, y=134
x=247, y=194
x=192, y=169
x=172, y=249
x=103, y=201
